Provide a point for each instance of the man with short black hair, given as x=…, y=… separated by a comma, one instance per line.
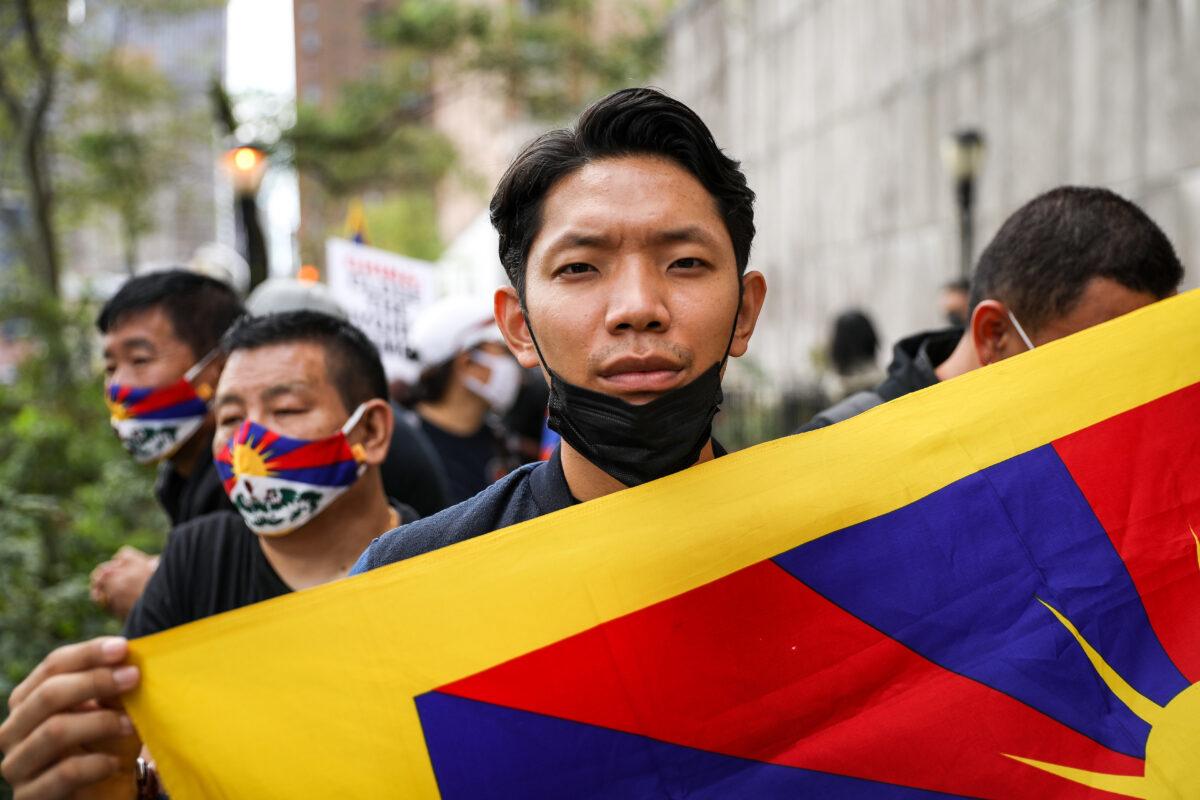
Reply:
x=156, y=328
x=1067, y=260
x=303, y=424
x=626, y=240
x=161, y=333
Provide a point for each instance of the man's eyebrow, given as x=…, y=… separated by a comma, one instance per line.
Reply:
x=135, y=342
x=688, y=233
x=280, y=389
x=571, y=239
x=226, y=398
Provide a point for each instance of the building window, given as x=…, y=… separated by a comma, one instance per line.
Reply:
x=309, y=12
x=310, y=42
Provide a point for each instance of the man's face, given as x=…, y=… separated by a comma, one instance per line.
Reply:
x=631, y=283
x=284, y=387
x=142, y=350
x=1102, y=299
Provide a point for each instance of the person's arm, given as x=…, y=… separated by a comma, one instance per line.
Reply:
x=119, y=582
x=67, y=734
x=158, y=607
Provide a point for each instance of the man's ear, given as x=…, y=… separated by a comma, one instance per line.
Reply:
x=206, y=381
x=991, y=332
x=511, y=320
x=754, y=294
x=373, y=433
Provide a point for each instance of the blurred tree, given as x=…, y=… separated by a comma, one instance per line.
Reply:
x=120, y=140
x=31, y=34
x=69, y=496
x=550, y=56
x=93, y=127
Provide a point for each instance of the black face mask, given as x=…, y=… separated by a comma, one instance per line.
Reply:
x=637, y=443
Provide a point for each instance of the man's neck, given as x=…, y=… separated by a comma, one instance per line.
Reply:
x=960, y=361
x=587, y=481
x=185, y=460
x=326, y=547
x=460, y=411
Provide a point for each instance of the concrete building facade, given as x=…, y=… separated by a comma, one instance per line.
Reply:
x=838, y=110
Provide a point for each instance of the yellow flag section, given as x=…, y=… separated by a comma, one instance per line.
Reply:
x=311, y=695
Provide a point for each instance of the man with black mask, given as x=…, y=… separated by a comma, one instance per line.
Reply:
x=626, y=240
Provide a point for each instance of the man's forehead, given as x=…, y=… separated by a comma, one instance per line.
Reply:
x=142, y=326
x=654, y=196
x=297, y=363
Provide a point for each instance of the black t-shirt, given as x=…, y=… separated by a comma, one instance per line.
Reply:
x=198, y=494
x=211, y=564
x=525, y=493
x=472, y=463
x=413, y=472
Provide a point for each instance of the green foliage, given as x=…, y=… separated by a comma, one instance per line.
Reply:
x=373, y=138
x=553, y=58
x=69, y=495
x=404, y=222
x=121, y=142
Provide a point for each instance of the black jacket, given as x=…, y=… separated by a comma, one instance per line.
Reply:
x=914, y=360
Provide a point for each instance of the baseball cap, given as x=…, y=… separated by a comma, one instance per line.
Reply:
x=452, y=325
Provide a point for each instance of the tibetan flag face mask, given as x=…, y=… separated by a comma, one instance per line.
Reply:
x=152, y=423
x=278, y=484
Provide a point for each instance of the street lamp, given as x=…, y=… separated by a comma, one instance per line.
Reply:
x=962, y=153
x=246, y=165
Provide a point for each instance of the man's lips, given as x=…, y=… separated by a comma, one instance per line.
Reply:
x=642, y=373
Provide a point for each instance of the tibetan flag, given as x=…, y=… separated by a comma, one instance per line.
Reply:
x=987, y=589
x=356, y=222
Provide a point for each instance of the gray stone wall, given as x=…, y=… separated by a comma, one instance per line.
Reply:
x=838, y=110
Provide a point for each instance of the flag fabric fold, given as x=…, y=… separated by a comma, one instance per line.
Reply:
x=990, y=588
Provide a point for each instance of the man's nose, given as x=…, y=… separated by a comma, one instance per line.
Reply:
x=638, y=300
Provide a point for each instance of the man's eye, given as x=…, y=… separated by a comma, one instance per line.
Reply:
x=576, y=269
x=228, y=422
x=687, y=263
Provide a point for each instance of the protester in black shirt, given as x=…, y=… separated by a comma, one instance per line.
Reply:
x=292, y=380
x=468, y=381
x=161, y=333
x=626, y=241
x=1067, y=260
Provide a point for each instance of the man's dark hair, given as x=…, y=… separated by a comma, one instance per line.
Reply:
x=352, y=361
x=627, y=122
x=854, y=341
x=1049, y=249
x=200, y=308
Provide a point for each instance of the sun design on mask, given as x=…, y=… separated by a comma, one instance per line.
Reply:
x=249, y=459
x=117, y=410
x=1171, y=747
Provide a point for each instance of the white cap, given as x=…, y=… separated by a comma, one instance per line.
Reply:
x=452, y=325
x=276, y=295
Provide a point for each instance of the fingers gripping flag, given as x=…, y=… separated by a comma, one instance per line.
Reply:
x=990, y=588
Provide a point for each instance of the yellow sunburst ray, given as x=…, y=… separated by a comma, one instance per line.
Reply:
x=1134, y=700
x=1129, y=785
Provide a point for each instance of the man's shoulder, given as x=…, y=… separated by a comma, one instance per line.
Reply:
x=506, y=502
x=851, y=406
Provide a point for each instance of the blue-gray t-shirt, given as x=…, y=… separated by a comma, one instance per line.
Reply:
x=527, y=492
x=530, y=491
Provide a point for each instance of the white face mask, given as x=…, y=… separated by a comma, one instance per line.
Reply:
x=501, y=388
x=1020, y=330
